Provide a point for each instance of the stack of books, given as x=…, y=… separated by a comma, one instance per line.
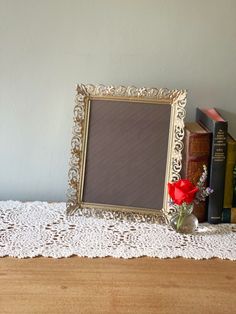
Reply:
x=207, y=142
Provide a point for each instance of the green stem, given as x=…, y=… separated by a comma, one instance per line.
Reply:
x=183, y=211
x=180, y=221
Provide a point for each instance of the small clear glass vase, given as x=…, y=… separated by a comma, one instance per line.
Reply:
x=183, y=220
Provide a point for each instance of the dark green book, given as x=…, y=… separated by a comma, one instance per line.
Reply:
x=229, y=215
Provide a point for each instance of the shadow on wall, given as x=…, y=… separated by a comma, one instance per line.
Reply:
x=231, y=118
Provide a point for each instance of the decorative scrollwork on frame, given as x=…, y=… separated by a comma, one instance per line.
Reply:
x=177, y=99
x=74, y=174
x=178, y=135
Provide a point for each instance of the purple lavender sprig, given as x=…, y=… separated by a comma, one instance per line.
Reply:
x=203, y=178
x=203, y=191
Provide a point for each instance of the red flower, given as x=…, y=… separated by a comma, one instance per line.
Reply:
x=182, y=191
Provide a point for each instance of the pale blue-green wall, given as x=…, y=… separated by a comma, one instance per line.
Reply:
x=47, y=46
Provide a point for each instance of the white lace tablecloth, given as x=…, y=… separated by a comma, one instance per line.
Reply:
x=40, y=228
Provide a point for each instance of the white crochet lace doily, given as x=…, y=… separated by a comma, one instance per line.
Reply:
x=41, y=228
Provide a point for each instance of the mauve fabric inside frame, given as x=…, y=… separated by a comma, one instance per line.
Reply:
x=126, y=153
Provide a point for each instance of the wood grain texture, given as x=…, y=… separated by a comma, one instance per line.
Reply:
x=145, y=285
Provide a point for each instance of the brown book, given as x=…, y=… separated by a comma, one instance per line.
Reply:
x=196, y=153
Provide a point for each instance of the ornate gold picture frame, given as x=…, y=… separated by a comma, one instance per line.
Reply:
x=126, y=146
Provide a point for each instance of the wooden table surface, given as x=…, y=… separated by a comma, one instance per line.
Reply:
x=107, y=285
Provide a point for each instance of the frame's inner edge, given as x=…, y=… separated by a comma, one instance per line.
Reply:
x=132, y=99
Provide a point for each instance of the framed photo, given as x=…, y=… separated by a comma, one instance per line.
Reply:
x=126, y=147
